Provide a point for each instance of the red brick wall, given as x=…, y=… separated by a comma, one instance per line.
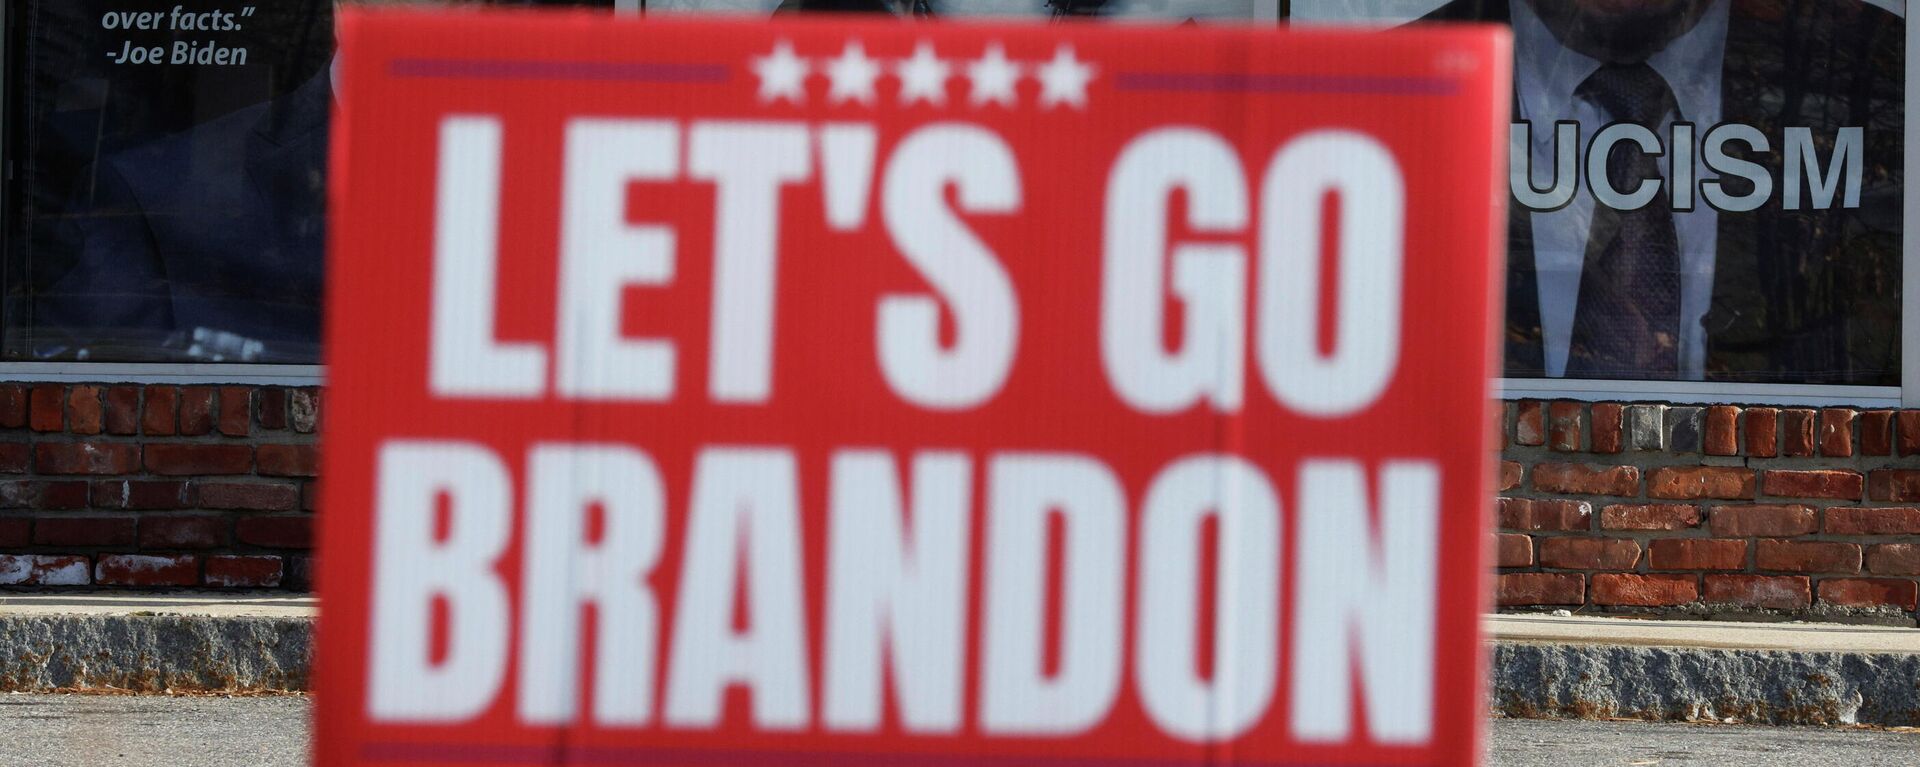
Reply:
x=1603, y=506
x=133, y=485
x=1623, y=507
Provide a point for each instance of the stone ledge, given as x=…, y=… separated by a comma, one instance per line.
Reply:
x=1542, y=666
x=1585, y=681
x=154, y=653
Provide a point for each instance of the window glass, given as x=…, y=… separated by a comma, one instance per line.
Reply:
x=167, y=202
x=167, y=199
x=1701, y=189
x=171, y=170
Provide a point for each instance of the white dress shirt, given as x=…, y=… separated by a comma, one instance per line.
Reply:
x=1546, y=75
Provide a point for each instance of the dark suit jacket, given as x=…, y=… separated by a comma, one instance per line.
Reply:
x=1801, y=296
x=204, y=245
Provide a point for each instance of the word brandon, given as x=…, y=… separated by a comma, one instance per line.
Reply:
x=1742, y=184
x=595, y=521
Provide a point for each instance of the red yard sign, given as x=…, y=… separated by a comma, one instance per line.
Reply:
x=830, y=392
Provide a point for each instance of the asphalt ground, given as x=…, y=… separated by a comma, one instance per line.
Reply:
x=271, y=731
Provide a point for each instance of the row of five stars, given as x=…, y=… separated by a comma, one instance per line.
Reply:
x=923, y=77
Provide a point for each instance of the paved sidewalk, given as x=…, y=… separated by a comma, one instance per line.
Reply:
x=1541, y=665
x=272, y=731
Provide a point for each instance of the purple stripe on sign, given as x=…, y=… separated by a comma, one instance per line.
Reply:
x=500, y=69
x=475, y=753
x=1251, y=83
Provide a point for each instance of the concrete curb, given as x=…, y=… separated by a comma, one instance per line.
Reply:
x=1540, y=667
x=154, y=653
x=1755, y=686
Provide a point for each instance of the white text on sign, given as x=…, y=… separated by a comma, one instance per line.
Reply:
x=602, y=255
x=1358, y=606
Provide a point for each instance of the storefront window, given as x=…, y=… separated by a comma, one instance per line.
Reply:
x=1701, y=190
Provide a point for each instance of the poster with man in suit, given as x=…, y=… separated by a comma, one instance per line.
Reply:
x=1702, y=189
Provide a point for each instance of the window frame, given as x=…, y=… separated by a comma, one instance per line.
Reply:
x=215, y=373
x=1706, y=392
x=1910, y=239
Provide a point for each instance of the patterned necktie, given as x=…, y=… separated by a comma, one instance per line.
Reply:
x=1627, y=321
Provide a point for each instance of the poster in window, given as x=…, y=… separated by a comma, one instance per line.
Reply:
x=170, y=202
x=169, y=198
x=1701, y=189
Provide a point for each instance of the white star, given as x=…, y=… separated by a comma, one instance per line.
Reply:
x=782, y=74
x=1064, y=79
x=853, y=75
x=993, y=77
x=923, y=77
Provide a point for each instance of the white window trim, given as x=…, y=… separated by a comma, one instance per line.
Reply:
x=1910, y=238
x=1699, y=392
x=162, y=373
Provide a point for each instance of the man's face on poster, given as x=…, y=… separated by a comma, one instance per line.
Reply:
x=1619, y=31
